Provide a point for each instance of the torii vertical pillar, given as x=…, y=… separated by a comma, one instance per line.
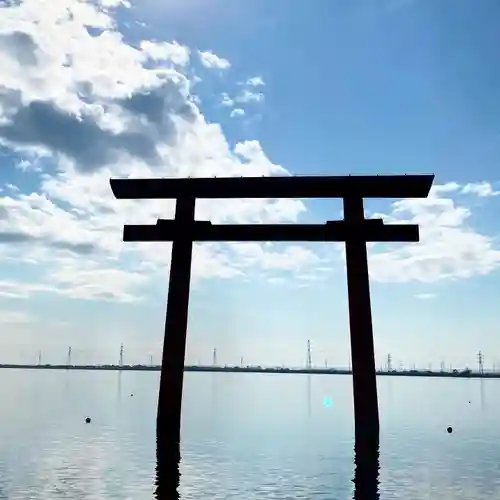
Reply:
x=361, y=328
x=174, y=344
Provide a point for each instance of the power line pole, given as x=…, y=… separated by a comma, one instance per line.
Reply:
x=39, y=358
x=442, y=366
x=68, y=361
x=241, y=362
x=389, y=363
x=480, y=362
x=150, y=360
x=121, y=355
x=214, y=357
x=309, y=361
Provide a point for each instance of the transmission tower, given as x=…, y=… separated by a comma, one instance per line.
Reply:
x=480, y=362
x=241, y=362
x=150, y=360
x=214, y=357
x=309, y=362
x=39, y=357
x=68, y=360
x=121, y=355
x=389, y=363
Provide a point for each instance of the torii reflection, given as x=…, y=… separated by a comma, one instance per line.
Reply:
x=366, y=468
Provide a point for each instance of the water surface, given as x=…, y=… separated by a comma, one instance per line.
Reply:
x=251, y=436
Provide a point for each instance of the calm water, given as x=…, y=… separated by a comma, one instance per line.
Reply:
x=245, y=436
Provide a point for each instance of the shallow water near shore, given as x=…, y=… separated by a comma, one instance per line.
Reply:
x=253, y=436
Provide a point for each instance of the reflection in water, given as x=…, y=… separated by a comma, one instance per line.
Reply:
x=389, y=390
x=366, y=466
x=309, y=395
x=481, y=393
x=119, y=386
x=214, y=386
x=66, y=385
x=168, y=475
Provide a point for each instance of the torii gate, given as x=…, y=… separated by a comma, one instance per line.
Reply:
x=354, y=230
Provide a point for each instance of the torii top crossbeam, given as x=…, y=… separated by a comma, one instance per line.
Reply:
x=359, y=186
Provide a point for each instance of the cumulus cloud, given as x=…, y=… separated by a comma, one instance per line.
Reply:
x=211, y=60
x=449, y=247
x=80, y=104
x=482, y=189
x=91, y=99
x=164, y=51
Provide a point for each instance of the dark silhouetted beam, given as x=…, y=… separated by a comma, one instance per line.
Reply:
x=370, y=230
x=369, y=186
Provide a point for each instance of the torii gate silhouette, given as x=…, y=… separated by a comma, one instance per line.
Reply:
x=354, y=230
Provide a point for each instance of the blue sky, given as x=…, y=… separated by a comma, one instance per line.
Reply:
x=91, y=90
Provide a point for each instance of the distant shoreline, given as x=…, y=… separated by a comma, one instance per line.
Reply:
x=258, y=369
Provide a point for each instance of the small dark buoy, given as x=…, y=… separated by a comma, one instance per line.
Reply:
x=469, y=401
x=131, y=394
x=449, y=430
x=87, y=420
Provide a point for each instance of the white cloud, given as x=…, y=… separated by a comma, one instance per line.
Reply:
x=449, y=247
x=255, y=81
x=482, y=189
x=79, y=109
x=425, y=296
x=211, y=60
x=177, y=54
x=292, y=258
x=227, y=101
x=247, y=96
x=96, y=107
x=237, y=112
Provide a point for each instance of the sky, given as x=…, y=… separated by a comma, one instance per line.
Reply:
x=149, y=88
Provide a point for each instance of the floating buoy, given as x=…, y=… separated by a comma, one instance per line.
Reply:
x=449, y=430
x=131, y=394
x=87, y=420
